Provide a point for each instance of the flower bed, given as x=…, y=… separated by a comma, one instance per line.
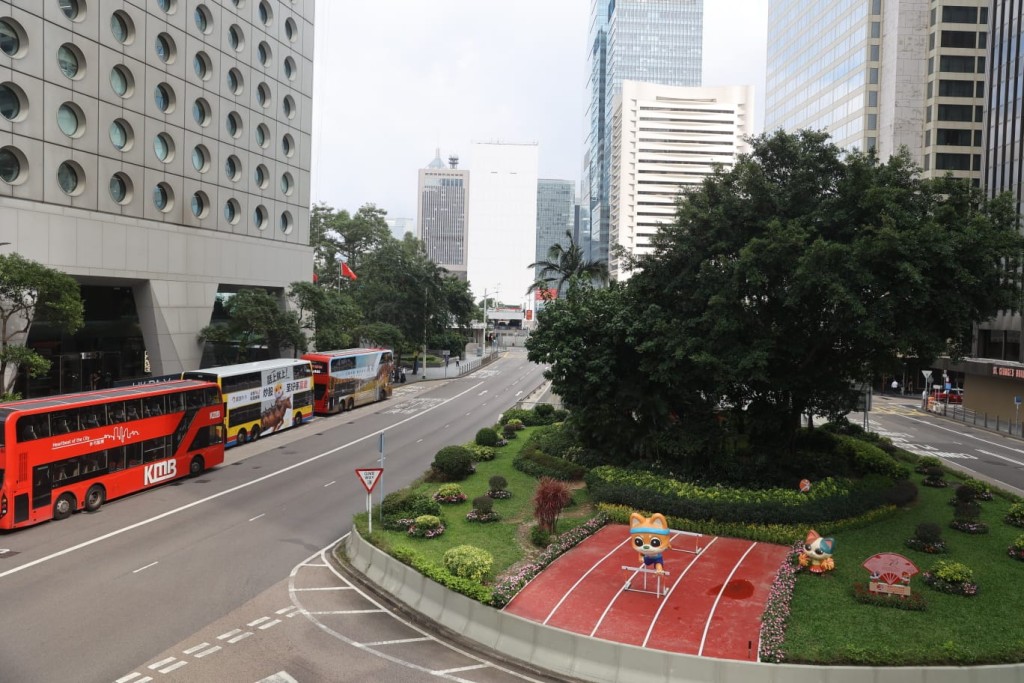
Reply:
x=482, y=517
x=863, y=594
x=776, y=610
x=965, y=588
x=426, y=526
x=930, y=547
x=969, y=527
x=507, y=586
x=500, y=495
x=449, y=494
x=1016, y=553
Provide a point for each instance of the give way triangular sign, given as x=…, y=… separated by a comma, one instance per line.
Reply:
x=369, y=477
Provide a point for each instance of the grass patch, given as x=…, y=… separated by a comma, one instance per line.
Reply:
x=504, y=539
x=828, y=626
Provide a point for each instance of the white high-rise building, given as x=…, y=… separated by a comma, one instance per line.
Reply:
x=159, y=153
x=503, y=219
x=443, y=213
x=666, y=140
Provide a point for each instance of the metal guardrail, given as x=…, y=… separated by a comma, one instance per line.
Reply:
x=956, y=411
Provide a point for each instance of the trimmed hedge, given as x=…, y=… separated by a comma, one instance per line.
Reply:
x=467, y=587
x=870, y=459
x=487, y=437
x=454, y=463
x=536, y=463
x=829, y=499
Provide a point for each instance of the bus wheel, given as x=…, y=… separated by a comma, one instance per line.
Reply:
x=255, y=434
x=196, y=467
x=240, y=439
x=95, y=497
x=297, y=421
x=64, y=506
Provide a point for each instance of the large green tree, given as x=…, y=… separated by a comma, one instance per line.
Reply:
x=564, y=264
x=256, y=318
x=330, y=315
x=28, y=289
x=794, y=272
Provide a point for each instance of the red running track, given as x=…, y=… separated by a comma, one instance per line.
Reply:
x=713, y=604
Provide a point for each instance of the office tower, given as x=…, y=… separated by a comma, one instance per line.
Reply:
x=1000, y=337
x=443, y=213
x=903, y=73
x=651, y=41
x=666, y=140
x=503, y=219
x=159, y=153
x=556, y=211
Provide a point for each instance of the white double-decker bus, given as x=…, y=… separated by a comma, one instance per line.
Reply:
x=262, y=397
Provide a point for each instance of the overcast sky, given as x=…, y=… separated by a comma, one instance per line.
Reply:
x=396, y=79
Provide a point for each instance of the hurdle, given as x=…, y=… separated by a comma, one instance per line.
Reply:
x=658, y=590
x=698, y=541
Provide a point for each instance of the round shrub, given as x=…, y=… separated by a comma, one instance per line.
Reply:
x=517, y=423
x=487, y=437
x=967, y=510
x=929, y=532
x=509, y=431
x=934, y=478
x=481, y=453
x=964, y=493
x=982, y=491
x=449, y=493
x=1015, y=517
x=926, y=462
x=539, y=537
x=453, y=463
x=468, y=562
x=903, y=492
x=953, y=572
x=497, y=483
x=483, y=504
x=544, y=410
x=426, y=526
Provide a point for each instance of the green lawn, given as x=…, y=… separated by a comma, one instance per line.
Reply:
x=505, y=538
x=827, y=625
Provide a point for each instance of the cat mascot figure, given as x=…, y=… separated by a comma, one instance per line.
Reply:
x=817, y=554
x=650, y=539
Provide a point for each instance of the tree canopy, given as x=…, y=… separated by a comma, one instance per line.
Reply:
x=782, y=279
x=28, y=288
x=565, y=263
x=256, y=318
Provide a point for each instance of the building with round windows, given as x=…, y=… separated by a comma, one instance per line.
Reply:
x=158, y=151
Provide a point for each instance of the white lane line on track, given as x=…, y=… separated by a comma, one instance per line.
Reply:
x=225, y=492
x=707, y=624
x=664, y=602
x=578, y=582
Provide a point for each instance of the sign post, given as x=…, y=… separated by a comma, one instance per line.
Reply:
x=368, y=476
x=380, y=449
x=1016, y=411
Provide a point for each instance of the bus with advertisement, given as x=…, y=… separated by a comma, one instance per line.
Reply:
x=262, y=397
x=60, y=454
x=351, y=377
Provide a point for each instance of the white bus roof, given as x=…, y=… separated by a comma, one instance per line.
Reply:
x=254, y=366
x=345, y=352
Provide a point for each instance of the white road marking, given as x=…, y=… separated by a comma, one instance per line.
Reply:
x=257, y=622
x=162, y=662
x=136, y=571
x=279, y=677
x=442, y=672
x=401, y=641
x=253, y=519
x=229, y=491
x=172, y=667
x=229, y=634
x=347, y=611
x=330, y=483
x=291, y=608
x=267, y=625
x=1001, y=457
x=239, y=637
x=129, y=677
x=327, y=588
x=197, y=648
x=210, y=651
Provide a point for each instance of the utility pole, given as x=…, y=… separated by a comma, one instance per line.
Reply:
x=424, y=333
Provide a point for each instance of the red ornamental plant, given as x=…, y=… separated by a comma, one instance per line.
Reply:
x=549, y=500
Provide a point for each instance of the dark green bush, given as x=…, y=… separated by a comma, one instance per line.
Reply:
x=453, y=463
x=405, y=503
x=903, y=492
x=497, y=483
x=487, y=437
x=544, y=410
x=554, y=440
x=539, y=537
x=529, y=418
x=536, y=463
x=868, y=458
x=964, y=493
x=928, y=532
x=483, y=504
x=967, y=511
x=560, y=415
x=509, y=431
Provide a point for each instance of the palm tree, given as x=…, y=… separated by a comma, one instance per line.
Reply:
x=565, y=264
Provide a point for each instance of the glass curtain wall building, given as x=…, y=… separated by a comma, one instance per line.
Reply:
x=556, y=202
x=443, y=214
x=651, y=41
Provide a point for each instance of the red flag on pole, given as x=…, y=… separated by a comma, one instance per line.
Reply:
x=315, y=279
x=347, y=272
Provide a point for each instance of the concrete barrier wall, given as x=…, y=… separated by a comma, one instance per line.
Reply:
x=591, y=659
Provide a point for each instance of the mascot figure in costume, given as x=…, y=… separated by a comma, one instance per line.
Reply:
x=817, y=554
x=650, y=538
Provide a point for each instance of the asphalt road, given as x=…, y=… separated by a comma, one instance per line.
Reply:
x=986, y=455
x=102, y=596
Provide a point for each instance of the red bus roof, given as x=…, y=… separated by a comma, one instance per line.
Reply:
x=87, y=397
x=322, y=355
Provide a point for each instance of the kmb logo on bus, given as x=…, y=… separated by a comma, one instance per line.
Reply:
x=160, y=471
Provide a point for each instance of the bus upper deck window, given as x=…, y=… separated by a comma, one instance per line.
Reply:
x=213, y=397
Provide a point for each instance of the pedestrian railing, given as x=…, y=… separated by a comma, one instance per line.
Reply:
x=956, y=411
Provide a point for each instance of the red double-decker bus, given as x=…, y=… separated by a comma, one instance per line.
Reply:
x=71, y=452
x=348, y=378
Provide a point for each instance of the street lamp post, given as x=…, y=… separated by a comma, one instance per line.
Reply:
x=494, y=291
x=424, y=333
